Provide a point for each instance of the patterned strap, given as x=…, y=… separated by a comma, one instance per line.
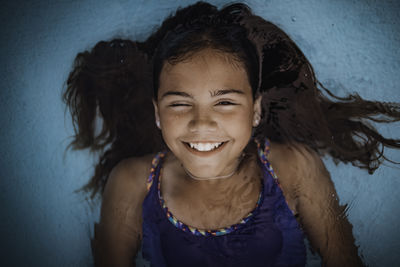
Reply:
x=263, y=155
x=154, y=165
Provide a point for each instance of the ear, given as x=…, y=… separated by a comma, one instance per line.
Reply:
x=156, y=114
x=257, y=111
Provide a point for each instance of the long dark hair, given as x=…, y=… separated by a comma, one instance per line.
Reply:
x=117, y=80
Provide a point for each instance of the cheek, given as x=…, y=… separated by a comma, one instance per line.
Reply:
x=172, y=124
x=173, y=118
x=238, y=123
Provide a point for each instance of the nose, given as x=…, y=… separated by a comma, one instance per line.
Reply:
x=202, y=121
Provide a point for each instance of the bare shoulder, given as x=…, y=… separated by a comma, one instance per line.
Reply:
x=133, y=165
x=296, y=165
x=128, y=178
x=285, y=160
x=291, y=150
x=294, y=157
x=130, y=172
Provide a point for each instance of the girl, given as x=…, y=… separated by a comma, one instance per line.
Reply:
x=194, y=118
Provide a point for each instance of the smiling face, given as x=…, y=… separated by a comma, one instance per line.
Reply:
x=206, y=112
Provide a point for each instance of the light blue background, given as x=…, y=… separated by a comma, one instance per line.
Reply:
x=352, y=44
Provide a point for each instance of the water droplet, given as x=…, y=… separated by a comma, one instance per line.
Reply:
x=293, y=18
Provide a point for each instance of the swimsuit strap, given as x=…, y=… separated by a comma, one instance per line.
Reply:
x=154, y=164
x=263, y=155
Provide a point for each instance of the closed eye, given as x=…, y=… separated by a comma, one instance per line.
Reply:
x=226, y=103
x=178, y=105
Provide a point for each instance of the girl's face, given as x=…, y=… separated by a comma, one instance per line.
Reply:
x=206, y=112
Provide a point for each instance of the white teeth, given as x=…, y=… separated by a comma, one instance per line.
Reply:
x=204, y=146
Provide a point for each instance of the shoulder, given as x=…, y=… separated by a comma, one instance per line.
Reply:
x=302, y=172
x=131, y=168
x=128, y=178
x=296, y=156
x=292, y=150
x=298, y=167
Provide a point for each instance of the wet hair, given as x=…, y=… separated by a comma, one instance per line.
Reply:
x=117, y=79
x=205, y=27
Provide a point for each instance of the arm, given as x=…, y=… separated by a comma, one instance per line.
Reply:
x=118, y=235
x=323, y=219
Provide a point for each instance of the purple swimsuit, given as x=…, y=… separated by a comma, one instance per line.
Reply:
x=268, y=236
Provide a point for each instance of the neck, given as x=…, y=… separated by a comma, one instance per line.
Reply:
x=210, y=178
x=207, y=178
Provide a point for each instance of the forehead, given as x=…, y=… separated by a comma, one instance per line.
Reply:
x=205, y=70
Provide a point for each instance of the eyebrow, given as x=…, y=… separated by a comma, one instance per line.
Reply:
x=226, y=91
x=212, y=93
x=178, y=93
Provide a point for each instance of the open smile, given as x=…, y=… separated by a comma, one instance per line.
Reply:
x=205, y=148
